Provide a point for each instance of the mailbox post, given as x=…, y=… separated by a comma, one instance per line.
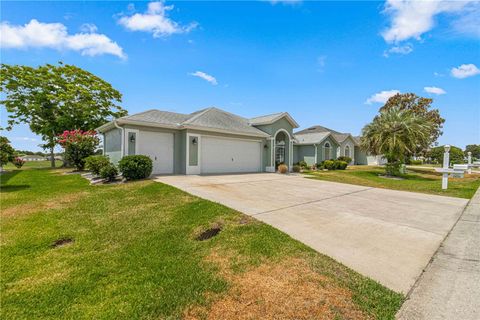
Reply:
x=469, y=161
x=446, y=162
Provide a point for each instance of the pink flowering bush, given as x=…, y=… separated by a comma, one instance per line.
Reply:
x=78, y=145
x=18, y=162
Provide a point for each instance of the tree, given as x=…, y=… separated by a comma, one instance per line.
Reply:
x=474, y=149
x=421, y=107
x=78, y=146
x=7, y=153
x=52, y=99
x=436, y=155
x=395, y=133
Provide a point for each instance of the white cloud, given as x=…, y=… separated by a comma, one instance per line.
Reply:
x=36, y=34
x=465, y=71
x=156, y=21
x=405, y=49
x=434, y=90
x=381, y=97
x=88, y=28
x=205, y=76
x=412, y=18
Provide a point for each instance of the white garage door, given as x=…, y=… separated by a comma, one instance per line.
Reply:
x=219, y=155
x=159, y=147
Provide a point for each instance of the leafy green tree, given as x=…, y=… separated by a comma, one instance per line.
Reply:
x=55, y=98
x=395, y=133
x=7, y=153
x=474, y=149
x=421, y=107
x=436, y=155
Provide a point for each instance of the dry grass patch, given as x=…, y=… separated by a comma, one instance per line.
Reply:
x=286, y=290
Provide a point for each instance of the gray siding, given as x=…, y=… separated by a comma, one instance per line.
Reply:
x=305, y=153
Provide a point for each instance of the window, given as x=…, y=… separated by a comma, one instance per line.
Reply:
x=326, y=147
x=347, y=151
x=280, y=148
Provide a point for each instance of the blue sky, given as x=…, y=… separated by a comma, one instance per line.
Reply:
x=328, y=63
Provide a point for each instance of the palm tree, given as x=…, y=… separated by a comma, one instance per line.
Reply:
x=394, y=133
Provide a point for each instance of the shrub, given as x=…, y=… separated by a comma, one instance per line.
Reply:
x=109, y=172
x=320, y=165
x=340, y=165
x=282, y=168
x=329, y=164
x=135, y=167
x=96, y=163
x=416, y=162
x=296, y=168
x=18, y=162
x=393, y=168
x=78, y=145
x=303, y=164
x=346, y=159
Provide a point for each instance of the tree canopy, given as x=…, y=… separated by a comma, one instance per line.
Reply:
x=421, y=107
x=474, y=149
x=395, y=133
x=55, y=98
x=436, y=154
x=7, y=153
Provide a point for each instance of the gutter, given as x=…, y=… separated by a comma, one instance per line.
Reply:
x=122, y=145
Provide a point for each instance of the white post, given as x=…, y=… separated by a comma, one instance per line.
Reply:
x=446, y=161
x=469, y=161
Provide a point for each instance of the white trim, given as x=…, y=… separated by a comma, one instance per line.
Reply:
x=188, y=168
x=280, y=116
x=316, y=156
x=125, y=139
x=324, y=151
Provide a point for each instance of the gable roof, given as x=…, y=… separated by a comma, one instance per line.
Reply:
x=271, y=118
x=312, y=138
x=338, y=136
x=210, y=119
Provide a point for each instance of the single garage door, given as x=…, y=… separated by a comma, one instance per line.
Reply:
x=220, y=155
x=159, y=147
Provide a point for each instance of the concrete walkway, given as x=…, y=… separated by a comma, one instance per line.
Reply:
x=389, y=236
x=450, y=286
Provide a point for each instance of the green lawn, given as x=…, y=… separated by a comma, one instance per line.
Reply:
x=134, y=255
x=416, y=180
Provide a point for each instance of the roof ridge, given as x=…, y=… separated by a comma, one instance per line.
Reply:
x=266, y=115
x=197, y=115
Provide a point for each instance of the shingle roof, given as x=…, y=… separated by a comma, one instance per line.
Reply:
x=311, y=138
x=339, y=136
x=270, y=118
x=210, y=118
x=219, y=119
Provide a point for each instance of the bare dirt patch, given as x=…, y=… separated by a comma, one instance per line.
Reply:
x=28, y=208
x=61, y=242
x=286, y=290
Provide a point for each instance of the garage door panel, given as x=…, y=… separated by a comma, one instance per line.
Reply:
x=159, y=147
x=219, y=155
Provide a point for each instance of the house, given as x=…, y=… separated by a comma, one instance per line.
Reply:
x=321, y=143
x=33, y=157
x=212, y=141
x=361, y=157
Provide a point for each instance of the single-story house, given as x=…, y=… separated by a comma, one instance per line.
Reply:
x=33, y=157
x=213, y=141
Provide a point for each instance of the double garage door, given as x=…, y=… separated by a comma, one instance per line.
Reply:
x=222, y=155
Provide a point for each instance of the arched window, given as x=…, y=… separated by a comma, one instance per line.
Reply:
x=347, y=151
x=326, y=147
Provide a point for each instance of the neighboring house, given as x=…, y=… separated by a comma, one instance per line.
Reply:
x=213, y=141
x=33, y=157
x=325, y=144
x=361, y=157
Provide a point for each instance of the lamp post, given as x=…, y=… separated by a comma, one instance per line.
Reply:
x=446, y=161
x=469, y=162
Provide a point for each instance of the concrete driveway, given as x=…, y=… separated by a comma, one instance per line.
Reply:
x=386, y=235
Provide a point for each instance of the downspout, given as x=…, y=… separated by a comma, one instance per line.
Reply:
x=122, y=145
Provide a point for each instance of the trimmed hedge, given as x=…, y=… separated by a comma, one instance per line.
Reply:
x=135, y=167
x=296, y=168
x=96, y=163
x=109, y=172
x=344, y=158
